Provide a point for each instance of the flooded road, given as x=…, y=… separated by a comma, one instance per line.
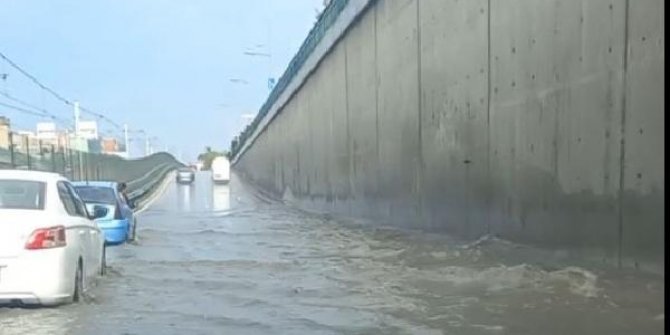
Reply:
x=221, y=260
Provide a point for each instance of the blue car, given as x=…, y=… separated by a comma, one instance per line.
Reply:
x=119, y=225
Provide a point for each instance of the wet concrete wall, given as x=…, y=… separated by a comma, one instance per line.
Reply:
x=538, y=121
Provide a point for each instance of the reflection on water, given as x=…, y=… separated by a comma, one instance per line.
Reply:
x=51, y=321
x=207, y=264
x=184, y=197
x=220, y=197
x=202, y=195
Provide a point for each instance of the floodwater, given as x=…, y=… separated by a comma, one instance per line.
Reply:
x=219, y=259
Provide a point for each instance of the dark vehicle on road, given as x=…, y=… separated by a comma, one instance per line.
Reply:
x=185, y=176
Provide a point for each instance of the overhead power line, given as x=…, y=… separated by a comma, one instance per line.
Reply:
x=43, y=112
x=54, y=93
x=101, y=116
x=38, y=113
x=35, y=80
x=23, y=110
x=26, y=104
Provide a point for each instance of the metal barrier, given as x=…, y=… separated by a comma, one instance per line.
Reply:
x=149, y=182
x=141, y=175
x=326, y=20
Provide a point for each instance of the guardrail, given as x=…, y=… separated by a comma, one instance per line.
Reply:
x=133, y=184
x=141, y=175
x=150, y=181
x=327, y=18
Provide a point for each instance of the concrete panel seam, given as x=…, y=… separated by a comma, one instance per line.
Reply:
x=348, y=120
x=378, y=157
x=622, y=149
x=488, y=119
x=420, y=163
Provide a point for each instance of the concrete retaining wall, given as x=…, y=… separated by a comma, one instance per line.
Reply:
x=540, y=121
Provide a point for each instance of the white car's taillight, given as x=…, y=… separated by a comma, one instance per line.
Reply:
x=47, y=238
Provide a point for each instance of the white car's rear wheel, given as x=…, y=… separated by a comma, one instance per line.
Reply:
x=103, y=263
x=78, y=282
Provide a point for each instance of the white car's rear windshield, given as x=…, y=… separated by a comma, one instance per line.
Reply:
x=22, y=194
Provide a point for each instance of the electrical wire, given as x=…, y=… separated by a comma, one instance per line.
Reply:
x=43, y=113
x=26, y=104
x=35, y=80
x=54, y=93
x=23, y=110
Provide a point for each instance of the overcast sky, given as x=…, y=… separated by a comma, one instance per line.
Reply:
x=163, y=66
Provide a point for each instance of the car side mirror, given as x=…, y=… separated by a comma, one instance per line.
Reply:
x=99, y=212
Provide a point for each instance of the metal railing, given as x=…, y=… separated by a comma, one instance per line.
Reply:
x=141, y=175
x=326, y=20
x=141, y=188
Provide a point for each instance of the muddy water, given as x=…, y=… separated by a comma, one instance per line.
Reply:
x=219, y=259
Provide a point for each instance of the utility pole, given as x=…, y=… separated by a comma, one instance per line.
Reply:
x=77, y=114
x=76, y=119
x=125, y=139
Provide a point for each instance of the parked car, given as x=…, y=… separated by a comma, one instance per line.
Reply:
x=220, y=170
x=51, y=250
x=185, y=176
x=119, y=225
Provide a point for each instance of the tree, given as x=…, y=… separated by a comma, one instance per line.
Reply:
x=208, y=156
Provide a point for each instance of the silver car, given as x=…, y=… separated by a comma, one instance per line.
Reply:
x=185, y=176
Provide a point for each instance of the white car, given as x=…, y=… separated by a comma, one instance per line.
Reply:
x=50, y=249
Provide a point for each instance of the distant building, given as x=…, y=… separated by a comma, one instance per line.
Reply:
x=88, y=130
x=109, y=145
x=40, y=141
x=86, y=139
x=63, y=141
x=4, y=132
x=78, y=143
x=26, y=133
x=47, y=133
x=24, y=140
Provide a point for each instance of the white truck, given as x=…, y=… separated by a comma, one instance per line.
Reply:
x=221, y=170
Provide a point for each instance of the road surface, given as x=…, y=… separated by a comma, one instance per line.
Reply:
x=216, y=259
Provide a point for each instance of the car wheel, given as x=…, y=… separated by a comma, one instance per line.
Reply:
x=129, y=233
x=78, y=283
x=134, y=231
x=103, y=263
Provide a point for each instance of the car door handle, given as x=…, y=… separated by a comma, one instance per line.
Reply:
x=82, y=232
